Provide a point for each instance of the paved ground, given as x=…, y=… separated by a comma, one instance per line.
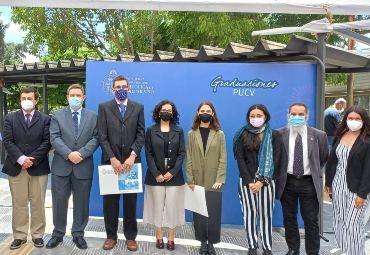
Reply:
x=233, y=236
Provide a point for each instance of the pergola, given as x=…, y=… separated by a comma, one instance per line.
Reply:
x=298, y=49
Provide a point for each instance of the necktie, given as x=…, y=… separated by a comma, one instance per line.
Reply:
x=75, y=122
x=28, y=120
x=298, y=169
x=122, y=106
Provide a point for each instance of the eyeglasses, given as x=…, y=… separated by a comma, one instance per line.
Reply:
x=121, y=87
x=170, y=111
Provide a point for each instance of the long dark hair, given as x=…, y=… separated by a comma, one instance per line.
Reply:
x=250, y=140
x=365, y=130
x=157, y=110
x=215, y=124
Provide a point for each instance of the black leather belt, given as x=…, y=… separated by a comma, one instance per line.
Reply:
x=299, y=178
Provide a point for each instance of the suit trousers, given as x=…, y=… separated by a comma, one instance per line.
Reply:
x=304, y=191
x=62, y=187
x=111, y=214
x=209, y=229
x=25, y=188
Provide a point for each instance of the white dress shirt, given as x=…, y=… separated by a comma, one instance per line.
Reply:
x=292, y=136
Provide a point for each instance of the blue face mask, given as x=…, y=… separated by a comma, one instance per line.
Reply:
x=75, y=102
x=121, y=94
x=297, y=120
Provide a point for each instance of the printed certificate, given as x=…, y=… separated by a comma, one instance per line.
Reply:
x=111, y=183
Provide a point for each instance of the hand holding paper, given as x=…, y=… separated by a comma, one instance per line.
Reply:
x=195, y=199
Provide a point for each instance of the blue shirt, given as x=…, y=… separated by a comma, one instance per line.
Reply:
x=78, y=115
x=332, y=119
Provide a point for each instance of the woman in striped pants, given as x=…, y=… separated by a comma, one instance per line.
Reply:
x=257, y=150
x=347, y=179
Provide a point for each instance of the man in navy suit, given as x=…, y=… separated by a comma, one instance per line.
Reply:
x=26, y=140
x=74, y=136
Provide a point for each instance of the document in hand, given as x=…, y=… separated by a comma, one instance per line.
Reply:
x=111, y=183
x=195, y=200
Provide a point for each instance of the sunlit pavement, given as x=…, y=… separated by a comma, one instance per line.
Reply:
x=233, y=237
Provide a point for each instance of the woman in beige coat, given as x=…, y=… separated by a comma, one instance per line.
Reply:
x=206, y=166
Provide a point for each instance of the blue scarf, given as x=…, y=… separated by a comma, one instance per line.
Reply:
x=265, y=152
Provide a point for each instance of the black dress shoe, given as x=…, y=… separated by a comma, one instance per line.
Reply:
x=54, y=241
x=252, y=251
x=80, y=242
x=267, y=252
x=38, y=242
x=17, y=243
x=211, y=249
x=203, y=250
x=292, y=252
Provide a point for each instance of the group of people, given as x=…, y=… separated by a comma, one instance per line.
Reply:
x=284, y=164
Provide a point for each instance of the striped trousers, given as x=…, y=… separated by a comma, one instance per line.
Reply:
x=349, y=222
x=258, y=205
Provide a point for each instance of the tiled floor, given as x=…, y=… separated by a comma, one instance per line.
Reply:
x=233, y=238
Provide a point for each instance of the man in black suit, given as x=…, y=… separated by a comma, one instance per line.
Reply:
x=121, y=129
x=26, y=140
x=304, y=154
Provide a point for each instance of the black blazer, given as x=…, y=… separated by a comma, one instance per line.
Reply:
x=31, y=142
x=248, y=159
x=119, y=136
x=358, y=167
x=154, y=153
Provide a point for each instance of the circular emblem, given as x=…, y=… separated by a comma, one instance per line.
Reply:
x=107, y=83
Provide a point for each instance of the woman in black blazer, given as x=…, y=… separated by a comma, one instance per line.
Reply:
x=164, y=191
x=347, y=179
x=257, y=151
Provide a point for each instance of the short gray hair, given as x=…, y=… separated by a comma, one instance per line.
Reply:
x=340, y=101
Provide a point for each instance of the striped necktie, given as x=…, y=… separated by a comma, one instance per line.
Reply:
x=75, y=122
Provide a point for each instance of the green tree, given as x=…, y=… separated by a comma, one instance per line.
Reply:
x=3, y=28
x=14, y=53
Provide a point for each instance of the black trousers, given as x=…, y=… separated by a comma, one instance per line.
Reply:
x=209, y=229
x=62, y=187
x=111, y=213
x=304, y=191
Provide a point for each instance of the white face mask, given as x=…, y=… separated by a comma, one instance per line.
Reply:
x=341, y=110
x=27, y=105
x=354, y=125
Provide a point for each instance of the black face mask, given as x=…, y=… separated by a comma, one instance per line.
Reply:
x=205, y=117
x=165, y=116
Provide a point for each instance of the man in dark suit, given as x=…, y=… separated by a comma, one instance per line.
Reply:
x=304, y=154
x=26, y=140
x=74, y=136
x=121, y=134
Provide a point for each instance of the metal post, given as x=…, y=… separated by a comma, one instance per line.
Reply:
x=2, y=157
x=320, y=107
x=320, y=93
x=45, y=93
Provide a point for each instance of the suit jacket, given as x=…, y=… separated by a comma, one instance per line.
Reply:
x=248, y=159
x=206, y=169
x=64, y=141
x=358, y=167
x=155, y=155
x=318, y=150
x=120, y=136
x=32, y=142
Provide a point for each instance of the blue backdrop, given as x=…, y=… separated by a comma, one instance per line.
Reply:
x=231, y=87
